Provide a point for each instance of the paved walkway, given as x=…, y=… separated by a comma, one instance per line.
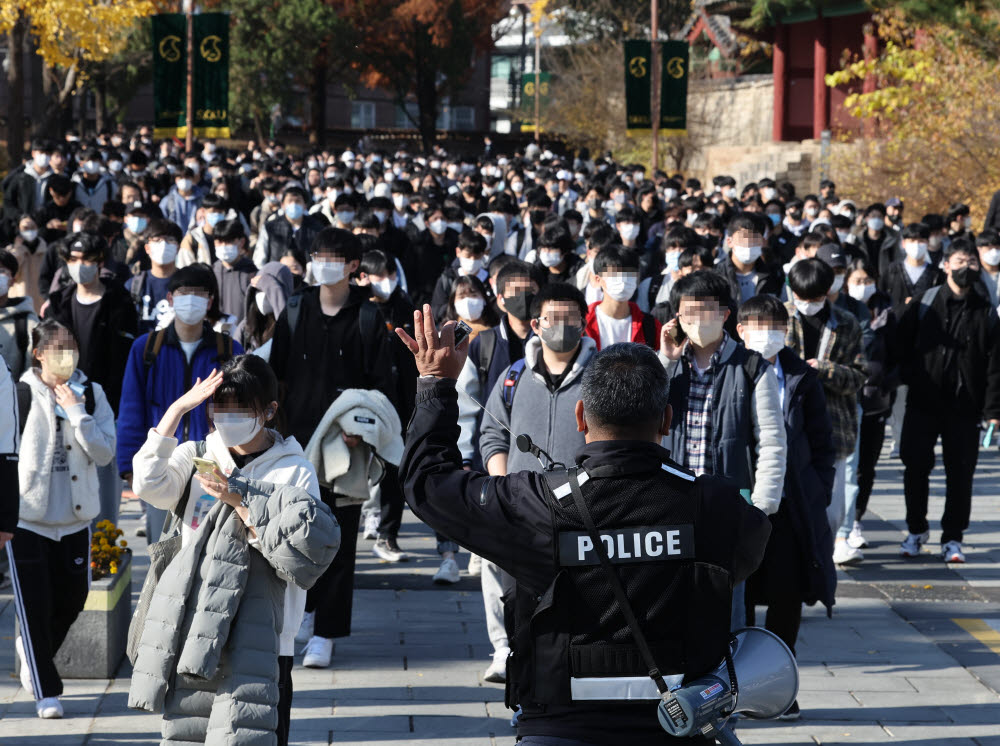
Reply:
x=911, y=655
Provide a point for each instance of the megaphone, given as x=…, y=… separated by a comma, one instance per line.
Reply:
x=759, y=678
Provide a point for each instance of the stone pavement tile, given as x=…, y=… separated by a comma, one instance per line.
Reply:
x=849, y=683
x=951, y=735
x=810, y=732
x=943, y=696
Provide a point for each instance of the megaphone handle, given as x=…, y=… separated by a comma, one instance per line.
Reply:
x=726, y=737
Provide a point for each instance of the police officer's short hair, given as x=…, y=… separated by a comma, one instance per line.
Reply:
x=625, y=386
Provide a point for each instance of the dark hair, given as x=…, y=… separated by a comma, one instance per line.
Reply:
x=627, y=215
x=469, y=240
x=90, y=219
x=988, y=237
x=490, y=315
x=915, y=230
x=43, y=334
x=91, y=244
x=162, y=228
x=557, y=236
x=701, y=285
x=962, y=246
x=615, y=256
x=247, y=380
x=213, y=201
x=679, y=237
x=294, y=190
x=813, y=240
x=60, y=184
x=704, y=254
x=625, y=388
x=864, y=265
x=194, y=276
x=765, y=307
x=228, y=230
x=810, y=278
x=513, y=271
x=599, y=235
x=554, y=291
x=337, y=241
x=375, y=262
x=744, y=222
x=9, y=262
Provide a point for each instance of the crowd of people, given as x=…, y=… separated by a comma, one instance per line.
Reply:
x=162, y=309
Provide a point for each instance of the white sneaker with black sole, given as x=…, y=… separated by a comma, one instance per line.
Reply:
x=318, y=652
x=305, y=632
x=25, y=671
x=913, y=543
x=388, y=550
x=448, y=573
x=475, y=568
x=856, y=539
x=497, y=671
x=49, y=708
x=952, y=553
x=371, y=525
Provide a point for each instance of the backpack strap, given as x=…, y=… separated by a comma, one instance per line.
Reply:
x=294, y=310
x=655, y=283
x=367, y=324
x=510, y=383
x=926, y=301
x=487, y=346
x=138, y=288
x=23, y=404
x=21, y=336
x=154, y=342
x=223, y=347
x=89, y=401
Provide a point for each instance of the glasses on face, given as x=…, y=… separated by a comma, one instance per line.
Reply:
x=960, y=261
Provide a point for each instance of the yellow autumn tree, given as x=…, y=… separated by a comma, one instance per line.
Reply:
x=66, y=34
x=934, y=109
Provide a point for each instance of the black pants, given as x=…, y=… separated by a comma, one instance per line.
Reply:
x=285, y=663
x=869, y=448
x=391, y=503
x=51, y=580
x=333, y=595
x=959, y=433
x=783, y=618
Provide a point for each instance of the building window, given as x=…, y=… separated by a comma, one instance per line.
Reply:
x=463, y=118
x=363, y=115
x=402, y=120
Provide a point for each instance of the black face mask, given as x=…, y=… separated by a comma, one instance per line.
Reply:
x=519, y=306
x=795, y=214
x=710, y=242
x=965, y=277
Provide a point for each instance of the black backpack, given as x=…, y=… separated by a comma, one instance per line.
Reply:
x=367, y=322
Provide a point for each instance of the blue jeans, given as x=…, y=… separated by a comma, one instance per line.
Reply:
x=851, y=488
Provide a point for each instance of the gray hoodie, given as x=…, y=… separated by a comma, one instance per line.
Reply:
x=499, y=233
x=555, y=432
x=275, y=282
x=19, y=312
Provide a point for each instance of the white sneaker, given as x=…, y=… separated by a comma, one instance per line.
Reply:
x=318, y=652
x=845, y=554
x=475, y=568
x=952, y=552
x=497, y=671
x=856, y=539
x=305, y=632
x=371, y=525
x=912, y=543
x=49, y=708
x=448, y=573
x=25, y=672
x=388, y=550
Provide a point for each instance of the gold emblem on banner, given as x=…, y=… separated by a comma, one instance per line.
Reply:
x=209, y=48
x=637, y=67
x=170, y=48
x=675, y=67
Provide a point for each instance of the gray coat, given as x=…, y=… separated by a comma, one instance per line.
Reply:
x=547, y=416
x=208, y=654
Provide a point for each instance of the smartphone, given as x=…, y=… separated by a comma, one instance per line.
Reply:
x=204, y=465
x=462, y=330
x=678, y=334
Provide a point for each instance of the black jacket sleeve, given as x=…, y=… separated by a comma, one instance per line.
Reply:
x=505, y=520
x=737, y=531
x=817, y=476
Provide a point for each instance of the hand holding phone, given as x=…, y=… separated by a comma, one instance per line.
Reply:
x=205, y=465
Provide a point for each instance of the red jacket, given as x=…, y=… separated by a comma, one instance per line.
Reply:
x=645, y=328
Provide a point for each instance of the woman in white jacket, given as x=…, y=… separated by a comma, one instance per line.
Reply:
x=69, y=430
x=244, y=400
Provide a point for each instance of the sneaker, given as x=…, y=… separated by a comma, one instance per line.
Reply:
x=952, y=552
x=448, y=573
x=371, y=525
x=792, y=713
x=49, y=708
x=856, y=539
x=305, y=632
x=140, y=532
x=25, y=672
x=318, y=652
x=497, y=672
x=845, y=554
x=387, y=549
x=475, y=568
x=912, y=543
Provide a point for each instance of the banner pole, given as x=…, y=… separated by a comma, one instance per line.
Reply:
x=655, y=83
x=189, y=138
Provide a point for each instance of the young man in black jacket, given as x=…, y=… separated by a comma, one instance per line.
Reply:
x=950, y=343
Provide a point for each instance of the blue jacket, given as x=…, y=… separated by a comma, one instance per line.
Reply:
x=147, y=392
x=181, y=210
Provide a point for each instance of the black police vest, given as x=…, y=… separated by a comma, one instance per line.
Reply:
x=572, y=643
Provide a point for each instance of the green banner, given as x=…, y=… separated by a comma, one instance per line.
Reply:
x=210, y=75
x=528, y=93
x=673, y=86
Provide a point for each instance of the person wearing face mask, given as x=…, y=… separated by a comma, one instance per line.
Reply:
x=94, y=185
x=128, y=248
x=198, y=244
x=269, y=290
x=555, y=257
x=68, y=431
x=291, y=228
x=162, y=362
x=797, y=566
x=880, y=244
x=744, y=267
x=433, y=251
x=629, y=225
x=837, y=259
x=470, y=258
x=597, y=235
x=721, y=425
x=60, y=203
x=233, y=268
x=616, y=318
x=262, y=501
x=148, y=288
x=24, y=189
x=988, y=245
x=182, y=202
x=949, y=340
x=536, y=395
x=270, y=202
x=471, y=302
x=17, y=319
x=30, y=250
x=912, y=275
x=829, y=340
x=959, y=221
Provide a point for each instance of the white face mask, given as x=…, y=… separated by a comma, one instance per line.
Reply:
x=163, y=252
x=862, y=293
x=747, y=254
x=438, y=226
x=628, y=231
x=227, y=252
x=41, y=161
x=190, y=308
x=550, y=258
x=621, y=287
x=236, y=429
x=767, y=194
x=838, y=283
x=29, y=235
x=263, y=304
x=184, y=185
x=843, y=236
x=768, y=342
x=916, y=250
x=328, y=273
x=345, y=217
x=385, y=287
x=669, y=194
x=809, y=308
x=470, y=266
x=990, y=256
x=876, y=224
x=470, y=308
x=400, y=202
x=703, y=333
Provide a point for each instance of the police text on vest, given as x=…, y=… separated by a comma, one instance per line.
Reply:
x=625, y=545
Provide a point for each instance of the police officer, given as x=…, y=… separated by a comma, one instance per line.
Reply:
x=624, y=535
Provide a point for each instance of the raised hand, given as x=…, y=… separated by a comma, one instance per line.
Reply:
x=435, y=356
